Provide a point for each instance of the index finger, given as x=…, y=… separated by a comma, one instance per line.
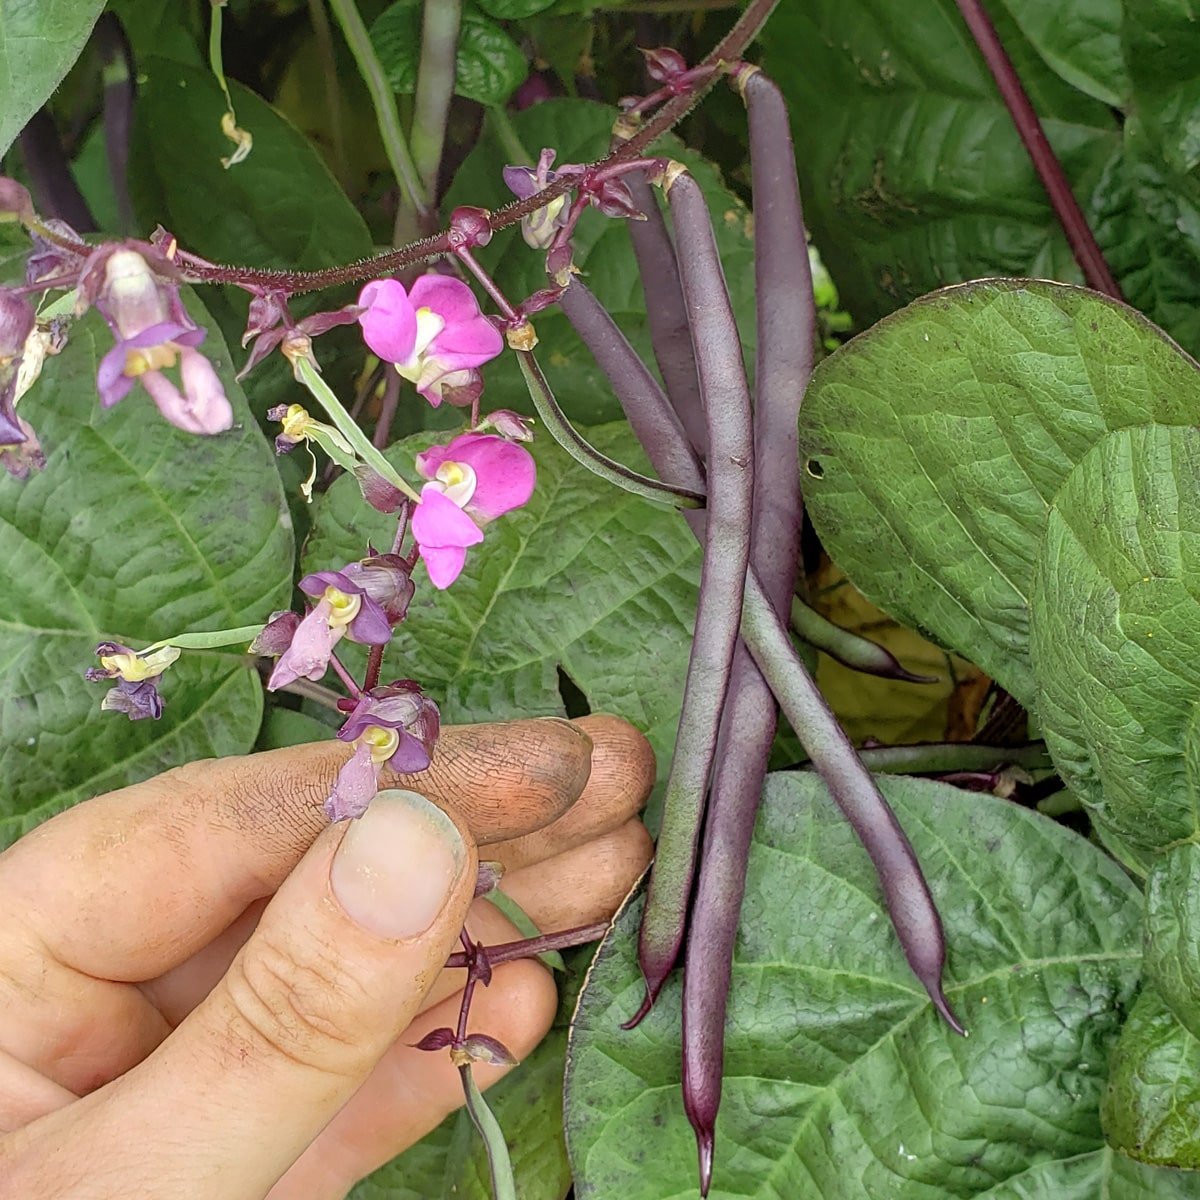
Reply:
x=128, y=885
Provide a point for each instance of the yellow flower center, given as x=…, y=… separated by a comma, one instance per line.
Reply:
x=152, y=358
x=457, y=481
x=295, y=421
x=133, y=668
x=342, y=608
x=381, y=742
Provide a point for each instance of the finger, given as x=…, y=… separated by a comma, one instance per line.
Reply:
x=335, y=971
x=26, y=1094
x=412, y=1091
x=578, y=887
x=584, y=885
x=623, y=770
x=164, y=866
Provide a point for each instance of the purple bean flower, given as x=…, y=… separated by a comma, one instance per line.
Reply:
x=137, y=675
x=359, y=602
x=394, y=725
x=473, y=480
x=434, y=335
x=135, y=289
x=538, y=229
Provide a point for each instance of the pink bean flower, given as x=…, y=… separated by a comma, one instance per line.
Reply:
x=473, y=480
x=434, y=335
x=134, y=288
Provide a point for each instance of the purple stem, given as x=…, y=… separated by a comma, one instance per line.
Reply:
x=54, y=187
x=1058, y=188
x=718, y=351
x=786, y=316
x=117, y=74
x=351, y=684
x=581, y=935
x=666, y=313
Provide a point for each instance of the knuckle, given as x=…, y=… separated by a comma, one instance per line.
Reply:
x=303, y=1007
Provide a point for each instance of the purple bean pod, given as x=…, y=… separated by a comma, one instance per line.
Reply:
x=666, y=312
x=850, y=649
x=909, y=902
x=717, y=347
x=649, y=411
x=786, y=317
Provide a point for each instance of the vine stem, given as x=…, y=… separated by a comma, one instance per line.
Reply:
x=384, y=100
x=1070, y=216
x=196, y=270
x=435, y=88
x=581, y=935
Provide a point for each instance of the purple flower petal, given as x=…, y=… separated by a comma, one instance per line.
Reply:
x=137, y=701
x=410, y=756
x=315, y=584
x=370, y=626
x=308, y=655
x=208, y=408
x=111, y=381
x=355, y=787
x=468, y=338
x=389, y=323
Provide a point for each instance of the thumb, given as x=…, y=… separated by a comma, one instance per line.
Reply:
x=336, y=970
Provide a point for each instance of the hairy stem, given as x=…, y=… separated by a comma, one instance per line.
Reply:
x=531, y=947
x=1058, y=188
x=729, y=49
x=435, y=88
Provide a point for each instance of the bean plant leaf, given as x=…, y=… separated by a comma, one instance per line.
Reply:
x=916, y=177
x=451, y=1162
x=1114, y=637
x=38, y=44
x=840, y=1080
x=1152, y=1109
x=933, y=446
x=134, y=531
x=1172, y=955
x=580, y=131
x=514, y=10
x=585, y=579
x=490, y=65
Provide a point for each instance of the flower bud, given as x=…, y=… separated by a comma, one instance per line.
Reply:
x=15, y=204
x=382, y=496
x=470, y=227
x=490, y=874
x=478, y=1047
x=509, y=424
x=664, y=64
x=435, y=1039
x=16, y=324
x=276, y=635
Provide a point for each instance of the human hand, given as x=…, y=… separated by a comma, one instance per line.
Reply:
x=210, y=992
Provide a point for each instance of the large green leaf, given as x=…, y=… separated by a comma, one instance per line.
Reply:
x=1172, y=955
x=489, y=65
x=840, y=1080
x=933, y=446
x=1114, y=636
x=135, y=531
x=1152, y=1108
x=912, y=173
x=580, y=132
x=38, y=43
x=584, y=578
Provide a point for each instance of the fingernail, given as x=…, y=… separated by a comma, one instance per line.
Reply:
x=397, y=865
